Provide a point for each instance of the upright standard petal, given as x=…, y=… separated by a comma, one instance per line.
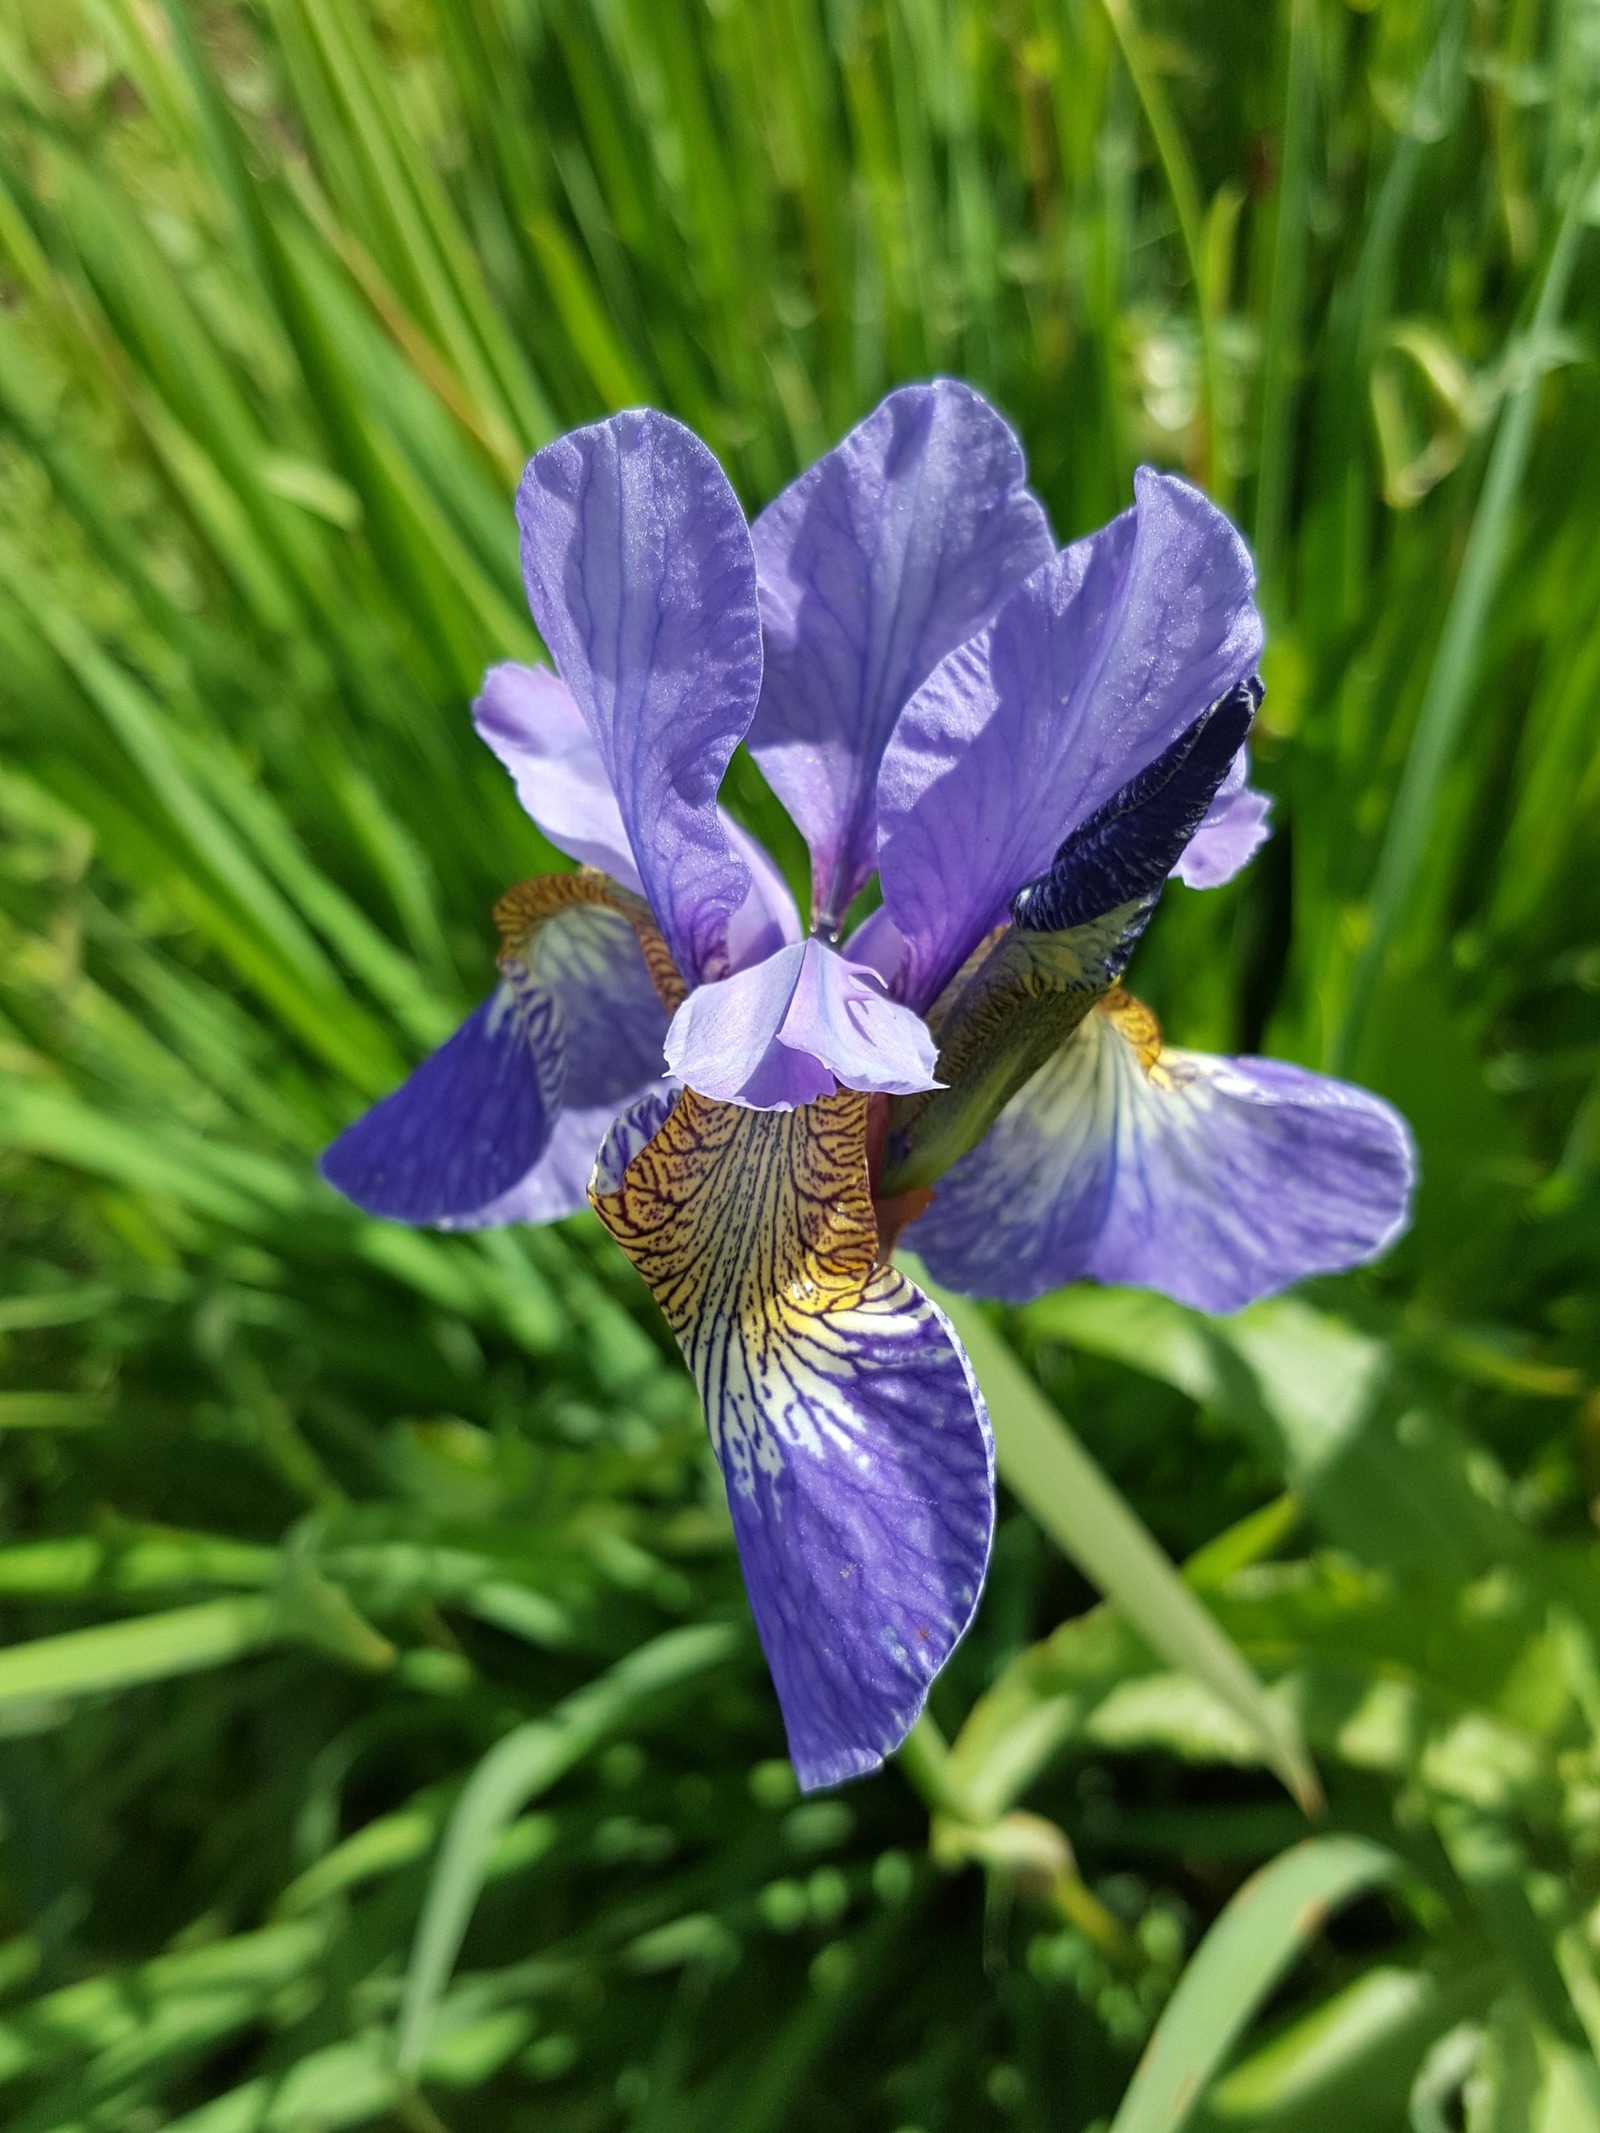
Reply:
x=780, y=1034
x=470, y=1122
x=1234, y=830
x=1093, y=668
x=531, y=719
x=642, y=581
x=844, y=1415
x=1217, y=1181
x=885, y=555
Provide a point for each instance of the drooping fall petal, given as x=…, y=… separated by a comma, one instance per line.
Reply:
x=882, y=557
x=1217, y=1181
x=488, y=1129
x=469, y=1123
x=844, y=1415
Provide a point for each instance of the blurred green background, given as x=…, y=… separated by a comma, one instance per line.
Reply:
x=382, y=1736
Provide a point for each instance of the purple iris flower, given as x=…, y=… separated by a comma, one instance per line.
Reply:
x=1022, y=744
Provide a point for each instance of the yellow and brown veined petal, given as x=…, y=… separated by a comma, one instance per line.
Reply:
x=844, y=1415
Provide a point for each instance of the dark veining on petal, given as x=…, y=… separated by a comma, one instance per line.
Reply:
x=532, y=904
x=842, y=1412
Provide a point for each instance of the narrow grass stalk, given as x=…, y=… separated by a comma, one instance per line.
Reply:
x=1290, y=237
x=1179, y=173
x=1444, y=705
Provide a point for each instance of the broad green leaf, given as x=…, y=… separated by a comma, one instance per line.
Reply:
x=1351, y=2060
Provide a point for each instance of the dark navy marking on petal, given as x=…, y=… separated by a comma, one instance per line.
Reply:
x=1128, y=848
x=469, y=1124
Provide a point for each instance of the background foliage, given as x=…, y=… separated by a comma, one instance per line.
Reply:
x=307, y=1520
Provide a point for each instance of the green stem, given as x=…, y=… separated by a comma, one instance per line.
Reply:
x=924, y=1756
x=1283, y=310
x=1179, y=174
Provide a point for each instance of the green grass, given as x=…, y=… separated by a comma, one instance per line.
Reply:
x=382, y=1737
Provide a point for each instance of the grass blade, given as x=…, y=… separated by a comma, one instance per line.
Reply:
x=1044, y=1464
x=119, y=1655
x=1252, y=1944
x=517, y=1769
x=1445, y=703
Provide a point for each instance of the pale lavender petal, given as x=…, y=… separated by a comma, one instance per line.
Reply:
x=469, y=1123
x=1233, y=832
x=782, y=1033
x=845, y=1417
x=878, y=943
x=767, y=919
x=642, y=581
x=531, y=719
x=1216, y=1181
x=881, y=558
x=1099, y=663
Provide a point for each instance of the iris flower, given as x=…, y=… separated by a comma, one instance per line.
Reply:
x=1021, y=743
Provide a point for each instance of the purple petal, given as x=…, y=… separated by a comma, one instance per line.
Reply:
x=453, y=1147
x=845, y=1417
x=530, y=718
x=642, y=581
x=558, y=1184
x=1101, y=661
x=1217, y=1181
x=767, y=919
x=782, y=1033
x=881, y=558
x=1233, y=832
x=471, y=1121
